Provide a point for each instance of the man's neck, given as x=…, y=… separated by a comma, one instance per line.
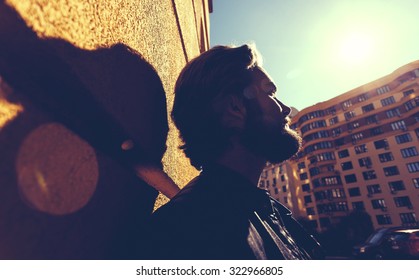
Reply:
x=243, y=162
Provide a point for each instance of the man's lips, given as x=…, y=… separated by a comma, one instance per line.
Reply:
x=286, y=122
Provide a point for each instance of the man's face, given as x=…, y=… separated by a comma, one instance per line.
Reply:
x=266, y=131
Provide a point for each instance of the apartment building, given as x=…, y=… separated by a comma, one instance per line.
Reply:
x=360, y=152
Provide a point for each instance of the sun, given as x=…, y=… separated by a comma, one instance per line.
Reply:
x=355, y=48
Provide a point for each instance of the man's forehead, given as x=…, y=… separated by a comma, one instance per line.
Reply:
x=262, y=79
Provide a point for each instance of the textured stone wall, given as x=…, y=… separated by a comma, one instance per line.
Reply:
x=77, y=77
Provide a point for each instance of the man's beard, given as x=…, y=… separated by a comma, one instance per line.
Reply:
x=276, y=143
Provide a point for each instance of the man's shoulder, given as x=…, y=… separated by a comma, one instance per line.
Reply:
x=191, y=199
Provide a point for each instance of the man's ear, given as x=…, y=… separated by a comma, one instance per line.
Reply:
x=235, y=112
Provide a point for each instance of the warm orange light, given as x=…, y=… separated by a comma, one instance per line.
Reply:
x=8, y=111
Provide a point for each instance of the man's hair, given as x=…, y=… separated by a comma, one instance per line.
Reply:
x=219, y=71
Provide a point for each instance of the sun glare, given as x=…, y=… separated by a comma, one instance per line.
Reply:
x=355, y=48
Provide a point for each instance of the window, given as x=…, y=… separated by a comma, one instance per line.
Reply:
x=408, y=92
x=351, y=178
x=282, y=178
x=343, y=154
x=284, y=189
x=333, y=180
x=411, y=104
x=333, y=120
x=361, y=149
x=391, y=171
x=349, y=115
x=346, y=165
x=353, y=125
x=399, y=125
x=332, y=207
x=264, y=174
x=362, y=97
x=377, y=130
x=329, y=194
x=388, y=101
x=357, y=136
x=276, y=191
x=306, y=187
x=303, y=176
x=330, y=111
x=262, y=184
x=366, y=161
x=301, y=165
x=336, y=132
x=373, y=189
x=396, y=186
x=403, y=138
x=409, y=152
x=314, y=171
x=393, y=113
x=317, y=135
x=320, y=195
x=354, y=192
x=383, y=219
x=386, y=157
x=327, y=181
x=408, y=218
x=313, y=125
x=267, y=183
x=413, y=167
x=368, y=108
x=346, y=104
x=336, y=193
x=339, y=142
x=274, y=182
x=318, y=146
x=307, y=199
x=322, y=157
x=383, y=89
x=369, y=175
x=285, y=200
x=378, y=203
x=402, y=201
x=310, y=211
x=358, y=205
x=311, y=115
x=281, y=169
x=416, y=182
x=381, y=144
x=371, y=119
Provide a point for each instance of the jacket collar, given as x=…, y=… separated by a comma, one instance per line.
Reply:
x=232, y=184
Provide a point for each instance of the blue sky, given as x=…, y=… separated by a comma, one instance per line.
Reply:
x=318, y=49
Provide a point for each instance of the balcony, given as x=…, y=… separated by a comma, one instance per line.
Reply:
x=323, y=162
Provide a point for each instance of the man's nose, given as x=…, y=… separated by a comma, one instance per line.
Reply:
x=285, y=109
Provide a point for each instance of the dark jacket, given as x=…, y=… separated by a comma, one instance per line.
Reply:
x=221, y=215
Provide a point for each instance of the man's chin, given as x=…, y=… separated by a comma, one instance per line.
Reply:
x=275, y=147
x=287, y=146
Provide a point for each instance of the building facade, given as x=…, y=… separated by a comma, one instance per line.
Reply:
x=360, y=152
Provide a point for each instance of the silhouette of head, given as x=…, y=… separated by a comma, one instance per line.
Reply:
x=224, y=96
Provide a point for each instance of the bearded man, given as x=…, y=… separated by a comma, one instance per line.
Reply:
x=231, y=124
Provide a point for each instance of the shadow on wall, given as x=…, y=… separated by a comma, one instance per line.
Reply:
x=66, y=189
